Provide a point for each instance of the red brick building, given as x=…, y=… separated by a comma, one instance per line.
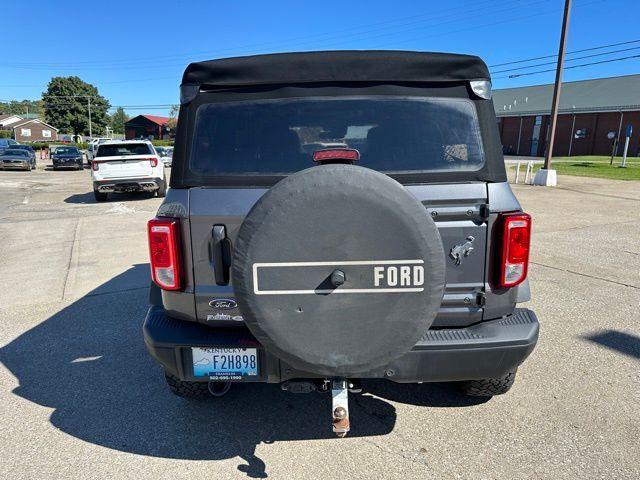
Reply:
x=150, y=127
x=589, y=110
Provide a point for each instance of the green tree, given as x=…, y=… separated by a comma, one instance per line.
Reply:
x=21, y=107
x=117, y=120
x=66, y=106
x=173, y=118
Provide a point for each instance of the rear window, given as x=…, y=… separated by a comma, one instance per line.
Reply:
x=66, y=150
x=123, y=149
x=392, y=134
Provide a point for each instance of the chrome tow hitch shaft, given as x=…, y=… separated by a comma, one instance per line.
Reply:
x=340, y=406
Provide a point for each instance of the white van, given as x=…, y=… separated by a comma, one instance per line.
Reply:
x=127, y=166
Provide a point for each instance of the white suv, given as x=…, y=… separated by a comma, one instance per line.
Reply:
x=127, y=166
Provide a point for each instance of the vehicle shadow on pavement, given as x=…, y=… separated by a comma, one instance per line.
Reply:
x=88, y=197
x=49, y=168
x=421, y=395
x=622, y=342
x=88, y=362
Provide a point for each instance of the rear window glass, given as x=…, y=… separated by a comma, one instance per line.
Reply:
x=121, y=149
x=392, y=134
x=66, y=150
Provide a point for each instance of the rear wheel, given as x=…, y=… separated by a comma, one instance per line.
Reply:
x=100, y=196
x=185, y=389
x=488, y=387
x=162, y=191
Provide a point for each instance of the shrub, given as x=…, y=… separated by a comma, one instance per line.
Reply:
x=6, y=134
x=43, y=145
x=162, y=143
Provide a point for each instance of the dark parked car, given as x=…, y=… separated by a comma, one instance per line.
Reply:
x=67, y=157
x=338, y=216
x=15, y=159
x=29, y=149
x=6, y=143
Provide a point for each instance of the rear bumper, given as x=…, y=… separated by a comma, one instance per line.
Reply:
x=72, y=163
x=147, y=184
x=485, y=350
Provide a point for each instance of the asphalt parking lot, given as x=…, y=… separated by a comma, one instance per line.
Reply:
x=80, y=397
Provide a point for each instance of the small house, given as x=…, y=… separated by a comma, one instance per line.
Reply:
x=34, y=130
x=7, y=120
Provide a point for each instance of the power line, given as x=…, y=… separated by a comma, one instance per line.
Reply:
x=490, y=24
x=568, y=60
x=41, y=85
x=568, y=53
x=294, y=41
x=516, y=75
x=456, y=20
x=435, y=19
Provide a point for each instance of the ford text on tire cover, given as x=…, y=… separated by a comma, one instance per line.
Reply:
x=339, y=216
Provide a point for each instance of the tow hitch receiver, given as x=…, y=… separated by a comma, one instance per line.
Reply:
x=340, y=406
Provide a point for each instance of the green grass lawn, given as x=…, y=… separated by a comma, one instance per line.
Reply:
x=592, y=166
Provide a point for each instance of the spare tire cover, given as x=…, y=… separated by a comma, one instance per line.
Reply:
x=352, y=223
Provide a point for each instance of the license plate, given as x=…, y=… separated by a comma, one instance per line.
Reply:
x=225, y=363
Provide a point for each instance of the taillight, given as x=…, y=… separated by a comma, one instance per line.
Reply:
x=95, y=166
x=164, y=252
x=514, y=260
x=328, y=154
x=154, y=162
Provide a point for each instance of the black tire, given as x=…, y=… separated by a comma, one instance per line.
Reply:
x=55, y=168
x=488, y=387
x=186, y=389
x=100, y=196
x=162, y=191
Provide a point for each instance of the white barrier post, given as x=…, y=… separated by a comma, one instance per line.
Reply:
x=529, y=173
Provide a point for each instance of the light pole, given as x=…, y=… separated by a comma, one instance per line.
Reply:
x=546, y=176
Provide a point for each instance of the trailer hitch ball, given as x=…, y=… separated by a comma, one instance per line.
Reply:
x=340, y=407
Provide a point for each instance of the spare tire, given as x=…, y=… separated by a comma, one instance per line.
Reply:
x=338, y=270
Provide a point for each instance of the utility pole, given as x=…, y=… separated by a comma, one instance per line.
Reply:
x=545, y=176
x=89, y=107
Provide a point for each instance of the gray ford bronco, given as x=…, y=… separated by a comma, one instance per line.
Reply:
x=338, y=216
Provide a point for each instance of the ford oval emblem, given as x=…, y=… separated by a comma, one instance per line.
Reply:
x=223, y=303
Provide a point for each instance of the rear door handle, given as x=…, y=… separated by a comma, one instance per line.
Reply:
x=221, y=254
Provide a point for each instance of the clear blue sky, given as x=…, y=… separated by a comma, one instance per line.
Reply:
x=134, y=51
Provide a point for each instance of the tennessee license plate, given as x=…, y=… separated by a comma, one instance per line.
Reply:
x=225, y=363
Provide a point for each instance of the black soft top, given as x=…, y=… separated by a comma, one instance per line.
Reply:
x=385, y=66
